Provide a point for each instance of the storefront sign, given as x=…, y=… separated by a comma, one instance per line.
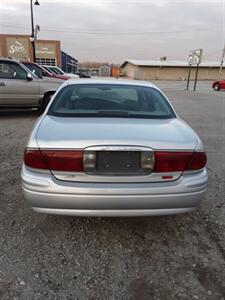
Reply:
x=44, y=50
x=17, y=48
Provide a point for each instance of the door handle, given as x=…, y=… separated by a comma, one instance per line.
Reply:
x=2, y=83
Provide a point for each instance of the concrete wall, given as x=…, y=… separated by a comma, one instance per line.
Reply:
x=169, y=73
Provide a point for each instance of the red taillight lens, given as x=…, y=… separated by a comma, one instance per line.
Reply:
x=198, y=161
x=34, y=159
x=179, y=161
x=64, y=160
x=171, y=161
x=72, y=160
x=57, y=160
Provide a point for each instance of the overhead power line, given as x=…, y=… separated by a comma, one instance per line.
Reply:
x=109, y=32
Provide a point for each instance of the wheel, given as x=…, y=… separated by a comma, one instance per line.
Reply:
x=216, y=87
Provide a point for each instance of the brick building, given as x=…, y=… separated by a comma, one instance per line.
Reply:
x=16, y=46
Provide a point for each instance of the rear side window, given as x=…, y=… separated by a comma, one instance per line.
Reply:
x=49, y=70
x=107, y=100
x=11, y=70
x=34, y=69
x=56, y=70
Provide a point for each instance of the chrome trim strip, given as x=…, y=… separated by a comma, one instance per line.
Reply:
x=84, y=177
x=117, y=148
x=120, y=148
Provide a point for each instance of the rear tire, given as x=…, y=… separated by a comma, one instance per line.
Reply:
x=216, y=87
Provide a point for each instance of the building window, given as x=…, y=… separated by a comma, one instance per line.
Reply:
x=46, y=61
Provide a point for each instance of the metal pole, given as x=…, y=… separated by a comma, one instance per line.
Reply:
x=196, y=76
x=32, y=31
x=189, y=74
x=221, y=64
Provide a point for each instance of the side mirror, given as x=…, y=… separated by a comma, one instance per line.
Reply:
x=29, y=77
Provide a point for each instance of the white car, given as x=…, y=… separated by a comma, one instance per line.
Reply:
x=56, y=70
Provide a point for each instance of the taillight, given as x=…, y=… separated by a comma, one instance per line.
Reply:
x=179, y=161
x=198, y=161
x=57, y=160
x=72, y=160
x=34, y=159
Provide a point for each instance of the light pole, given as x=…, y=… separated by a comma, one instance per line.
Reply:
x=32, y=27
x=221, y=64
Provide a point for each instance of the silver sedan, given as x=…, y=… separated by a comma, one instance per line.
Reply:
x=112, y=148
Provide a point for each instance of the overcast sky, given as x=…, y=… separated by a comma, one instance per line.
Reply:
x=116, y=30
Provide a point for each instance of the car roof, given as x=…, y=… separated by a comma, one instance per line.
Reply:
x=111, y=81
x=9, y=59
x=28, y=62
x=17, y=61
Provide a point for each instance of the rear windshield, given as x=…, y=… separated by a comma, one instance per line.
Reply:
x=107, y=100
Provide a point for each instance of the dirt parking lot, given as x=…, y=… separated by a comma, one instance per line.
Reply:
x=174, y=257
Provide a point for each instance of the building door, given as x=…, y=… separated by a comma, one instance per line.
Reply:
x=46, y=54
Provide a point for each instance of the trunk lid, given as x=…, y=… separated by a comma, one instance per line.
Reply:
x=79, y=133
x=91, y=133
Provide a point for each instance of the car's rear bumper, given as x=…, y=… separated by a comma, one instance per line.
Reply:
x=113, y=213
x=46, y=194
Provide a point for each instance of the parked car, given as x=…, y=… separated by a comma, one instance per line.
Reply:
x=218, y=85
x=113, y=148
x=56, y=70
x=82, y=75
x=19, y=87
x=42, y=72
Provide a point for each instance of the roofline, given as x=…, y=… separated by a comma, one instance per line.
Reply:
x=26, y=36
x=125, y=63
x=111, y=81
x=168, y=64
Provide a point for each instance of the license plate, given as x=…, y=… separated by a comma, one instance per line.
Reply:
x=118, y=162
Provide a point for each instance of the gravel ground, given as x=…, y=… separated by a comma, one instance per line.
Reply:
x=173, y=257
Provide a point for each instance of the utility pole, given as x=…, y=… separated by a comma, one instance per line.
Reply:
x=32, y=37
x=221, y=64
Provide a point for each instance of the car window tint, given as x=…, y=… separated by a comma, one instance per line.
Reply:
x=107, y=93
x=53, y=71
x=9, y=70
x=56, y=70
x=34, y=69
x=44, y=73
x=4, y=70
x=111, y=100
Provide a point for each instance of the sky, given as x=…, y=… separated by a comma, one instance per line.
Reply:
x=116, y=30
